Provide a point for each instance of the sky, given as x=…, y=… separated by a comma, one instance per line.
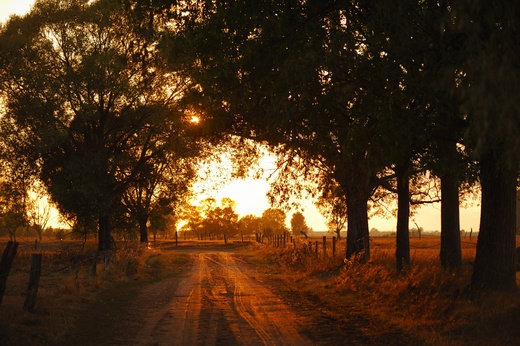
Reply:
x=8, y=7
x=250, y=194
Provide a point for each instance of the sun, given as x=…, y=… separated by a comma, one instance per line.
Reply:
x=194, y=119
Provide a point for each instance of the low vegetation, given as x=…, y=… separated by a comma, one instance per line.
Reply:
x=425, y=302
x=68, y=289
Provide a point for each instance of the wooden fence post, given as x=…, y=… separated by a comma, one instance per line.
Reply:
x=333, y=246
x=324, y=246
x=94, y=264
x=34, y=282
x=176, y=238
x=5, y=265
x=317, y=248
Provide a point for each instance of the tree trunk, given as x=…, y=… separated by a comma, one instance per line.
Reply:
x=402, y=251
x=356, y=180
x=143, y=229
x=494, y=267
x=451, y=253
x=5, y=265
x=105, y=238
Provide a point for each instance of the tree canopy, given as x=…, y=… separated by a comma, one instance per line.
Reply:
x=96, y=100
x=352, y=96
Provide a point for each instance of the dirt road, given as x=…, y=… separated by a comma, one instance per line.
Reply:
x=219, y=302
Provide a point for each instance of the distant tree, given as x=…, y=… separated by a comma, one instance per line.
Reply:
x=333, y=204
x=39, y=211
x=193, y=217
x=222, y=220
x=250, y=224
x=273, y=221
x=13, y=213
x=299, y=225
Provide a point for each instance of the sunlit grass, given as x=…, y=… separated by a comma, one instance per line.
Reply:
x=424, y=300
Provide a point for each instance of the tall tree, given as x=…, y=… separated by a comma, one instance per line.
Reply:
x=280, y=72
x=490, y=94
x=94, y=97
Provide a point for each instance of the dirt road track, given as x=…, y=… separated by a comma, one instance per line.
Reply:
x=219, y=302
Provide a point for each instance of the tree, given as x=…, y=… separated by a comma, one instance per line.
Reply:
x=298, y=224
x=93, y=97
x=39, y=213
x=332, y=203
x=13, y=214
x=273, y=221
x=193, y=216
x=221, y=220
x=273, y=71
x=250, y=224
x=160, y=186
x=489, y=92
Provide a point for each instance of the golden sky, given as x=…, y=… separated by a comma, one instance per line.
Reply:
x=8, y=7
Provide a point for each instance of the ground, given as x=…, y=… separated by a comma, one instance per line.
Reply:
x=221, y=300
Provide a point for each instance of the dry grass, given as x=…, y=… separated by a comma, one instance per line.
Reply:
x=67, y=287
x=424, y=301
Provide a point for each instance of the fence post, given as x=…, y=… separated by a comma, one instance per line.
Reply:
x=317, y=248
x=34, y=282
x=94, y=264
x=324, y=245
x=176, y=238
x=333, y=246
x=5, y=265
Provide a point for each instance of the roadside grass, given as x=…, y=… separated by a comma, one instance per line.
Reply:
x=69, y=295
x=424, y=301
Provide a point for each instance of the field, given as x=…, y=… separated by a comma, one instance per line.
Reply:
x=361, y=303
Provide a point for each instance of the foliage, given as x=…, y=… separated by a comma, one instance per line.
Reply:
x=250, y=224
x=221, y=220
x=273, y=221
x=13, y=215
x=94, y=99
x=298, y=224
x=332, y=203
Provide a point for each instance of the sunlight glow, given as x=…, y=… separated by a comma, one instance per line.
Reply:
x=9, y=7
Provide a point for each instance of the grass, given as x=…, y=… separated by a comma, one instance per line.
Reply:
x=424, y=301
x=68, y=294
